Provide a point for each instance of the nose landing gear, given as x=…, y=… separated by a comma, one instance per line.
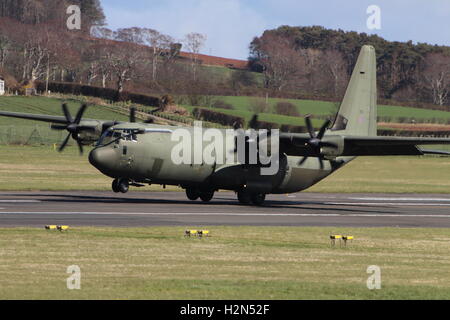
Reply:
x=121, y=185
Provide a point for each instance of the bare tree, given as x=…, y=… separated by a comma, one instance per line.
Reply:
x=35, y=51
x=102, y=33
x=194, y=42
x=5, y=47
x=334, y=63
x=159, y=43
x=437, y=77
x=133, y=35
x=281, y=62
x=124, y=60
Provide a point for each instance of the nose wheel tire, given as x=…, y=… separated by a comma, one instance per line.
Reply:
x=120, y=185
x=206, y=196
x=192, y=194
x=115, y=186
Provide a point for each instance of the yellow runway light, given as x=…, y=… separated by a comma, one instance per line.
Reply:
x=197, y=233
x=335, y=237
x=189, y=233
x=345, y=238
x=203, y=233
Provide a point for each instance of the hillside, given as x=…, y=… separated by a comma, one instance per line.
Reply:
x=302, y=63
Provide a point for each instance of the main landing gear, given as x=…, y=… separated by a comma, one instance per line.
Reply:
x=246, y=198
x=121, y=185
x=194, y=194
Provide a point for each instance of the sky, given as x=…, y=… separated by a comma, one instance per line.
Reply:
x=230, y=25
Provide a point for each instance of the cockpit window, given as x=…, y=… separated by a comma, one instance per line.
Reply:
x=108, y=136
x=111, y=135
x=130, y=136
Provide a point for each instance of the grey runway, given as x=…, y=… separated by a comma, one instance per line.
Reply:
x=143, y=209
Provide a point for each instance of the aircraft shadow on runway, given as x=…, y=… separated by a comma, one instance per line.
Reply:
x=269, y=205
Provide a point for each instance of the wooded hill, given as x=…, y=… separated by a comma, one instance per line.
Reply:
x=54, y=11
x=319, y=60
x=292, y=62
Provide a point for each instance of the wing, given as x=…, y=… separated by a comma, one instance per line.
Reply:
x=37, y=117
x=299, y=145
x=376, y=146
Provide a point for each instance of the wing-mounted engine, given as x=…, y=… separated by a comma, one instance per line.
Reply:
x=84, y=132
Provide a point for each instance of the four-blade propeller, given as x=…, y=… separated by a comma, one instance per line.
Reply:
x=315, y=143
x=73, y=126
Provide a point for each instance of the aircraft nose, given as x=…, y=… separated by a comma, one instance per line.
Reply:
x=103, y=159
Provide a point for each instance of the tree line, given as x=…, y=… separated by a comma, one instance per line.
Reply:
x=311, y=62
x=320, y=61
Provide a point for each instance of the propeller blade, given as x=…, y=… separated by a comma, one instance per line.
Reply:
x=63, y=145
x=58, y=127
x=80, y=147
x=323, y=129
x=132, y=114
x=321, y=164
x=67, y=113
x=303, y=161
x=310, y=127
x=80, y=114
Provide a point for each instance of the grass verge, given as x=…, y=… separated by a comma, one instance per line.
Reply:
x=234, y=263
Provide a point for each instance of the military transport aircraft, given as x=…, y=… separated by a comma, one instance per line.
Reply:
x=135, y=154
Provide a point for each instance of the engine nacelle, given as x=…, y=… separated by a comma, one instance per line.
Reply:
x=332, y=152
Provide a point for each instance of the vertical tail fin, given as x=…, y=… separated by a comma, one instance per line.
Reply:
x=358, y=112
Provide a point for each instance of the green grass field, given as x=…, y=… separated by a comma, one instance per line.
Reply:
x=234, y=263
x=50, y=106
x=14, y=130
x=325, y=107
x=43, y=168
x=243, y=106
